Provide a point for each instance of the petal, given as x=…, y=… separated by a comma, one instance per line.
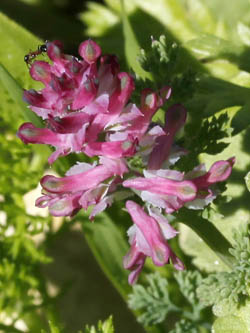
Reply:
x=78, y=182
x=115, y=149
x=66, y=206
x=167, y=230
x=134, y=261
x=85, y=95
x=175, y=119
x=151, y=232
x=89, y=51
x=41, y=71
x=184, y=190
x=29, y=133
x=218, y=172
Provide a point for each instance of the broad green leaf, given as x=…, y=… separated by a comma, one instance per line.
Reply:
x=210, y=46
x=103, y=17
x=109, y=247
x=200, y=17
x=16, y=92
x=171, y=14
x=14, y=76
x=16, y=42
x=132, y=47
x=230, y=15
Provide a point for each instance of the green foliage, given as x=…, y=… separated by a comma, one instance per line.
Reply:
x=131, y=45
x=247, y=180
x=188, y=282
x=20, y=281
x=102, y=327
x=209, y=139
x=160, y=60
x=185, y=326
x=153, y=301
x=229, y=324
x=230, y=288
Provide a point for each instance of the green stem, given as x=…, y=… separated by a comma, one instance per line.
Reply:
x=209, y=233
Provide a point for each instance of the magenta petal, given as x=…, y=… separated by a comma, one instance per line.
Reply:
x=69, y=124
x=43, y=201
x=34, y=98
x=65, y=206
x=149, y=100
x=151, y=232
x=28, y=133
x=218, y=172
x=90, y=51
x=40, y=71
x=122, y=94
x=79, y=182
x=184, y=190
x=175, y=119
x=54, y=50
x=149, y=105
x=84, y=180
x=117, y=166
x=114, y=149
x=134, y=261
x=85, y=95
x=165, y=93
x=178, y=264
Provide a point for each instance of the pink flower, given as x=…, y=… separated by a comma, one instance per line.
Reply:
x=86, y=108
x=171, y=190
x=81, y=187
x=148, y=239
x=64, y=143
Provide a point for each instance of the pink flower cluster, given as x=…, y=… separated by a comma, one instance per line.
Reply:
x=86, y=110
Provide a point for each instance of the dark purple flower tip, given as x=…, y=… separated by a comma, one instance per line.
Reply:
x=112, y=61
x=61, y=206
x=186, y=190
x=149, y=99
x=220, y=171
x=52, y=184
x=126, y=84
x=175, y=118
x=89, y=51
x=32, y=97
x=28, y=133
x=85, y=95
x=54, y=50
x=40, y=71
x=43, y=201
x=165, y=93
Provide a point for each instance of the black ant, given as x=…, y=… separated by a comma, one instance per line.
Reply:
x=33, y=54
